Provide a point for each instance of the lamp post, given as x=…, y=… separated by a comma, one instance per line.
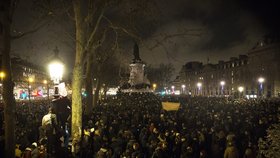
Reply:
x=199, y=85
x=154, y=86
x=56, y=68
x=183, y=88
x=173, y=89
x=222, y=83
x=2, y=75
x=165, y=90
x=30, y=80
x=240, y=89
x=47, y=85
x=260, y=80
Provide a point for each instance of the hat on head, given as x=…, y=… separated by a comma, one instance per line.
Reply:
x=34, y=144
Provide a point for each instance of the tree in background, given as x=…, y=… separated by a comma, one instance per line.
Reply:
x=104, y=49
x=106, y=75
x=6, y=16
x=160, y=75
x=8, y=33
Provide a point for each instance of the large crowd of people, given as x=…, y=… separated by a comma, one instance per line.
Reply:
x=28, y=120
x=135, y=125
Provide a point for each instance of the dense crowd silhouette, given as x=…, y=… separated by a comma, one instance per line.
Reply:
x=134, y=125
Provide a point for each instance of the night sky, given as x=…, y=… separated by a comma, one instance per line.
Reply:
x=214, y=29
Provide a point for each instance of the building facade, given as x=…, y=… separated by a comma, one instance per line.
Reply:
x=256, y=74
x=30, y=80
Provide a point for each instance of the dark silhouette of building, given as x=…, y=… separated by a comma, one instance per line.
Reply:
x=257, y=72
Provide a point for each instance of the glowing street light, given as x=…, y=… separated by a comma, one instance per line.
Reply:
x=261, y=81
x=154, y=86
x=240, y=89
x=173, y=89
x=48, y=92
x=56, y=68
x=56, y=71
x=199, y=85
x=2, y=75
x=222, y=83
x=183, y=88
x=30, y=80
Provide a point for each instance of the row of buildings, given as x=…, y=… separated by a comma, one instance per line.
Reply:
x=30, y=80
x=256, y=74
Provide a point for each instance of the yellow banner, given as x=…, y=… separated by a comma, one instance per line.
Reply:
x=170, y=106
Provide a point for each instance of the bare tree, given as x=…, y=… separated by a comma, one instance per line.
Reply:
x=7, y=10
x=6, y=14
x=161, y=74
x=89, y=17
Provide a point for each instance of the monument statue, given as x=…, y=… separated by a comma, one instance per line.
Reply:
x=136, y=53
x=138, y=81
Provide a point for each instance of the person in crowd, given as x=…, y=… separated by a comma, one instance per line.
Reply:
x=161, y=151
x=35, y=151
x=18, y=152
x=250, y=151
x=42, y=152
x=137, y=153
x=231, y=149
x=49, y=124
x=27, y=153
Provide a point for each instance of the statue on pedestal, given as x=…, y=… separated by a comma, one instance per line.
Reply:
x=136, y=53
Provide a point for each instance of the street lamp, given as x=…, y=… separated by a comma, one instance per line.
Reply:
x=261, y=80
x=165, y=90
x=240, y=89
x=183, y=88
x=154, y=86
x=56, y=68
x=46, y=83
x=199, y=84
x=30, y=80
x=2, y=75
x=173, y=89
x=222, y=83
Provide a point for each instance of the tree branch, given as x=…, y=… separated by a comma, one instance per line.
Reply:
x=122, y=29
x=90, y=39
x=13, y=8
x=27, y=32
x=167, y=37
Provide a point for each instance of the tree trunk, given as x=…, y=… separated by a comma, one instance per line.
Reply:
x=89, y=98
x=76, y=131
x=105, y=92
x=8, y=85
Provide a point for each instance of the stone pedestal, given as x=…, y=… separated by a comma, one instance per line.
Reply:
x=136, y=73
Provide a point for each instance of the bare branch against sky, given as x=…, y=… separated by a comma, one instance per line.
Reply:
x=171, y=31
